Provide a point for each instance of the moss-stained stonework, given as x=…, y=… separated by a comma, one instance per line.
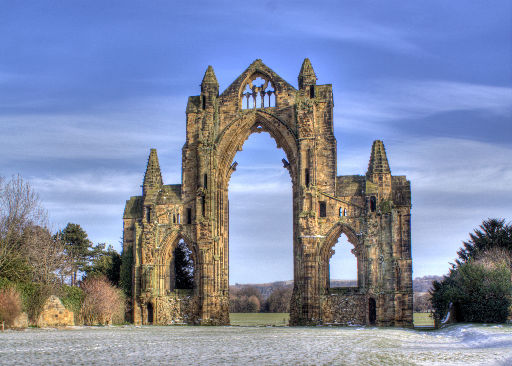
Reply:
x=372, y=210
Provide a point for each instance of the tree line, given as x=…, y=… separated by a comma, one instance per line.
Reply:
x=248, y=299
x=36, y=263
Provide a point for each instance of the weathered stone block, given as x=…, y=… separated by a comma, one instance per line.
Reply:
x=54, y=314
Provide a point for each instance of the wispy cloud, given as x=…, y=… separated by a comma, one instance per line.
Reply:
x=395, y=101
x=116, y=131
x=441, y=164
x=453, y=165
x=266, y=180
x=360, y=32
x=98, y=182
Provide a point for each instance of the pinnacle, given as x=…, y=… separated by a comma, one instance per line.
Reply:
x=378, y=159
x=258, y=61
x=153, y=176
x=307, y=76
x=209, y=76
x=307, y=68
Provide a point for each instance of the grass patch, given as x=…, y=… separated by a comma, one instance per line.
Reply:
x=423, y=319
x=282, y=319
x=259, y=319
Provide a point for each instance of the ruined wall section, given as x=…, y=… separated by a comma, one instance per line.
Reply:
x=179, y=307
x=372, y=210
x=344, y=306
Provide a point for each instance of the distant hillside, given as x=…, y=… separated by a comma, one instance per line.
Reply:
x=264, y=288
x=423, y=284
x=420, y=284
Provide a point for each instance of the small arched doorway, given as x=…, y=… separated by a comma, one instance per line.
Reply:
x=150, y=312
x=372, y=311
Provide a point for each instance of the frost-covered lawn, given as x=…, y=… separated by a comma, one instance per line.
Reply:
x=455, y=345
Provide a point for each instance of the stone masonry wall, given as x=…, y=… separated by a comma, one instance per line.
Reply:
x=176, y=309
x=344, y=308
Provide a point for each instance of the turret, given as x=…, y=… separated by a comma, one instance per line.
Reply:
x=153, y=176
x=209, y=88
x=307, y=77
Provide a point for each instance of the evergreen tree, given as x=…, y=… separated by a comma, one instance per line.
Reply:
x=183, y=266
x=78, y=249
x=125, y=272
x=104, y=262
x=493, y=233
x=479, y=285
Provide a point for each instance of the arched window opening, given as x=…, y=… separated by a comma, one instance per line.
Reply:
x=342, y=265
x=178, y=218
x=182, y=268
x=205, y=181
x=398, y=276
x=189, y=215
x=204, y=102
x=148, y=214
x=312, y=91
x=340, y=213
x=373, y=203
x=258, y=93
x=259, y=101
x=247, y=99
x=271, y=99
x=323, y=209
x=174, y=218
x=345, y=212
x=306, y=177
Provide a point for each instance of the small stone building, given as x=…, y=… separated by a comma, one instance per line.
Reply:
x=54, y=314
x=372, y=210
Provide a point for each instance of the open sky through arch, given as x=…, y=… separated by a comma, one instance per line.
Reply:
x=87, y=88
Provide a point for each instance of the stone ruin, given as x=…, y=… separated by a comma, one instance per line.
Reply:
x=372, y=210
x=54, y=314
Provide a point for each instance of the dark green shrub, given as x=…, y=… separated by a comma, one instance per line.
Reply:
x=72, y=298
x=125, y=276
x=34, y=295
x=479, y=293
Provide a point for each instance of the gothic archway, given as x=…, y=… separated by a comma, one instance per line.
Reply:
x=326, y=250
x=230, y=141
x=166, y=279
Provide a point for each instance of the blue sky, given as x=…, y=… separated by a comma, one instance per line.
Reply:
x=88, y=87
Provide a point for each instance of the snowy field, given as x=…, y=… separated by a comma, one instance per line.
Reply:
x=129, y=345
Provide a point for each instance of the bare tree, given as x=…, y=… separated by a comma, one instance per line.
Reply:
x=10, y=305
x=279, y=300
x=19, y=208
x=28, y=251
x=45, y=253
x=422, y=302
x=102, y=301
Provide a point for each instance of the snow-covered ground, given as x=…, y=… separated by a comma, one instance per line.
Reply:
x=455, y=345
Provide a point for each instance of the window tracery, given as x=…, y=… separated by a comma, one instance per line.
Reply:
x=258, y=93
